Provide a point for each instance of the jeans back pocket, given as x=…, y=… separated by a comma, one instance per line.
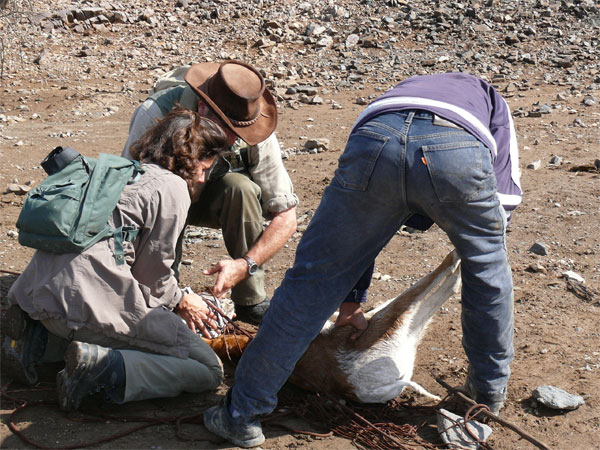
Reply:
x=356, y=164
x=460, y=171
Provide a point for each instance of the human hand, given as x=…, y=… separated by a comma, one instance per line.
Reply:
x=230, y=272
x=350, y=313
x=196, y=313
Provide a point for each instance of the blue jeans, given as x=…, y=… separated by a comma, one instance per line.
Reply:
x=395, y=166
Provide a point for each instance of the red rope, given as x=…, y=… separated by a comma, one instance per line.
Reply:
x=146, y=422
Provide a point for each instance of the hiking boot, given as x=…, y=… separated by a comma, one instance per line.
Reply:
x=88, y=369
x=493, y=401
x=252, y=314
x=23, y=344
x=238, y=431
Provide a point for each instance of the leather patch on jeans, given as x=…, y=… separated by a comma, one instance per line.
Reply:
x=437, y=120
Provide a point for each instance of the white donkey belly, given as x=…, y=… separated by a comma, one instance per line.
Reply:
x=380, y=373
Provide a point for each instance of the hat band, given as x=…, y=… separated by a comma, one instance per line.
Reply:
x=245, y=123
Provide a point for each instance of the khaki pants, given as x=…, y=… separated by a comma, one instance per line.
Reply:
x=232, y=204
x=148, y=375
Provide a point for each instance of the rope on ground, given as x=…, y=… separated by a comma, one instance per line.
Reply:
x=144, y=421
x=366, y=426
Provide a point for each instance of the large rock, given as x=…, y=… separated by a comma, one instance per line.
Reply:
x=556, y=398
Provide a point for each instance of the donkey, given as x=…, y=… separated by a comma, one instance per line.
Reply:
x=377, y=366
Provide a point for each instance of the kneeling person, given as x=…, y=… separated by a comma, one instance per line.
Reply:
x=130, y=327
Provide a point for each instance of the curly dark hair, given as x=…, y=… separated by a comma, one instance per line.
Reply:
x=179, y=140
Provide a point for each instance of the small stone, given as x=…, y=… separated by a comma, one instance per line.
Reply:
x=18, y=189
x=539, y=248
x=535, y=165
x=318, y=143
x=556, y=160
x=352, y=40
x=556, y=398
x=536, y=267
x=325, y=42
x=187, y=262
x=589, y=101
x=570, y=275
x=41, y=58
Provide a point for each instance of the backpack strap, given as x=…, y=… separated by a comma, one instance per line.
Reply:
x=120, y=235
x=128, y=233
x=138, y=171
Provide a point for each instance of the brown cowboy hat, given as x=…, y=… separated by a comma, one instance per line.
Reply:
x=236, y=92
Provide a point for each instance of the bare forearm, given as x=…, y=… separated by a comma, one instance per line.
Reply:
x=231, y=272
x=274, y=237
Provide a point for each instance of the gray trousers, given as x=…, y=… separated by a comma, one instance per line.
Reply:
x=147, y=375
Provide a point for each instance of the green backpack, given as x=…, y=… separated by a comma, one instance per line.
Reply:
x=69, y=211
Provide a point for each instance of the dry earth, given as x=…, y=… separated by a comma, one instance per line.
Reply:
x=68, y=101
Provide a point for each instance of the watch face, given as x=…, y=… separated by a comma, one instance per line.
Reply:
x=252, y=266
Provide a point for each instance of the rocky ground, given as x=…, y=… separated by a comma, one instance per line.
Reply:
x=72, y=73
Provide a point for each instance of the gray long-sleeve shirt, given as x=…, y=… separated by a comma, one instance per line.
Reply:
x=133, y=301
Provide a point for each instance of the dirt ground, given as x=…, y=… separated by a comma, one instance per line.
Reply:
x=557, y=339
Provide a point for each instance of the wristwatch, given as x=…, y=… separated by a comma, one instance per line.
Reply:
x=252, y=266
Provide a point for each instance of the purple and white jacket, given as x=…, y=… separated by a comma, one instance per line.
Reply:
x=470, y=103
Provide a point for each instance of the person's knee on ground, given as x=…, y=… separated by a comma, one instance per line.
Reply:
x=201, y=352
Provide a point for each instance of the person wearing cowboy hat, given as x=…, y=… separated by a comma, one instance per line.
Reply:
x=247, y=185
